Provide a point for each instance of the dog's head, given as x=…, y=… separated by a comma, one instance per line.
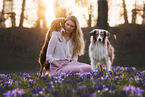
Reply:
x=58, y=25
x=99, y=35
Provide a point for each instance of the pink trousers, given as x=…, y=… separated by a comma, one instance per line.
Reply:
x=70, y=68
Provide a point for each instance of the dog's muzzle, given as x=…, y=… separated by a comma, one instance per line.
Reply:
x=62, y=30
x=99, y=39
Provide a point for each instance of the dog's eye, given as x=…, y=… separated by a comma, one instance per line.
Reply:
x=102, y=34
x=72, y=26
x=97, y=34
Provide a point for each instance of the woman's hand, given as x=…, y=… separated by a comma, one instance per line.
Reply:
x=56, y=64
x=59, y=66
x=73, y=61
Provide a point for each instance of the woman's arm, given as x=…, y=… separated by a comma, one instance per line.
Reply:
x=51, y=48
x=56, y=64
x=74, y=58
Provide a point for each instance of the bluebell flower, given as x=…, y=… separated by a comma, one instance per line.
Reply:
x=143, y=71
x=101, y=72
x=44, y=72
x=130, y=79
x=81, y=87
x=94, y=94
x=85, y=79
x=3, y=75
x=75, y=83
x=8, y=94
x=139, y=91
x=20, y=93
x=89, y=95
x=14, y=92
x=98, y=86
x=16, y=83
x=35, y=94
x=133, y=68
x=126, y=89
x=106, y=89
x=40, y=92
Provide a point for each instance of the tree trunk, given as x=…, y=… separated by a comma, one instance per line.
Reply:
x=90, y=20
x=41, y=13
x=143, y=22
x=2, y=19
x=102, y=21
x=134, y=13
x=22, y=14
x=125, y=12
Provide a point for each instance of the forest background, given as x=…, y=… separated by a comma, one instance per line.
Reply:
x=24, y=23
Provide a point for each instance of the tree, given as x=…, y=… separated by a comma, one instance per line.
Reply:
x=59, y=10
x=90, y=15
x=86, y=4
x=102, y=20
x=125, y=12
x=22, y=14
x=41, y=13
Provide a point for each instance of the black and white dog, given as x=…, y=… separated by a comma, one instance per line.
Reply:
x=101, y=52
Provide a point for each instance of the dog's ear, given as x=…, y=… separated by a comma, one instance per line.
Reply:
x=62, y=29
x=107, y=33
x=57, y=24
x=93, y=32
x=63, y=22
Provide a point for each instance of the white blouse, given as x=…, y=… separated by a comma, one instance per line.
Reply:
x=59, y=48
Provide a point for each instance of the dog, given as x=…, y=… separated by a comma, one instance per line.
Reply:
x=56, y=25
x=101, y=52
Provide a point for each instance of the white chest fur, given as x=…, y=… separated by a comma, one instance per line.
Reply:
x=98, y=51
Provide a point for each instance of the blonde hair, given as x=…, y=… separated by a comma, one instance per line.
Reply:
x=77, y=37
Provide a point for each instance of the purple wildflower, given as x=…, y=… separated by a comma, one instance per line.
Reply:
x=75, y=83
x=8, y=94
x=20, y=93
x=14, y=92
x=139, y=91
x=94, y=94
x=126, y=89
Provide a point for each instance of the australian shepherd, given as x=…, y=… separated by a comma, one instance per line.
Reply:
x=101, y=52
x=56, y=25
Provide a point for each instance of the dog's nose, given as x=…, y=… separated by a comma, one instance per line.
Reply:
x=99, y=39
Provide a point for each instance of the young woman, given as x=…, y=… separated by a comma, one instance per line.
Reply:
x=64, y=48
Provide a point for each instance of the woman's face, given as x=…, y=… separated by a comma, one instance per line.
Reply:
x=69, y=26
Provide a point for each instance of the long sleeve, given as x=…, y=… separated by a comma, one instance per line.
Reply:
x=75, y=57
x=51, y=48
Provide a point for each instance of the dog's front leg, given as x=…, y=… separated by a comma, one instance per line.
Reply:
x=93, y=64
x=108, y=65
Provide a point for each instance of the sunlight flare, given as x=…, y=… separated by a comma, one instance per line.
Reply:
x=50, y=16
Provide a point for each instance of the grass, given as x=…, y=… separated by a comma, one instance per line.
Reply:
x=123, y=81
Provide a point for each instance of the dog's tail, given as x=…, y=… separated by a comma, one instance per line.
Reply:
x=42, y=55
